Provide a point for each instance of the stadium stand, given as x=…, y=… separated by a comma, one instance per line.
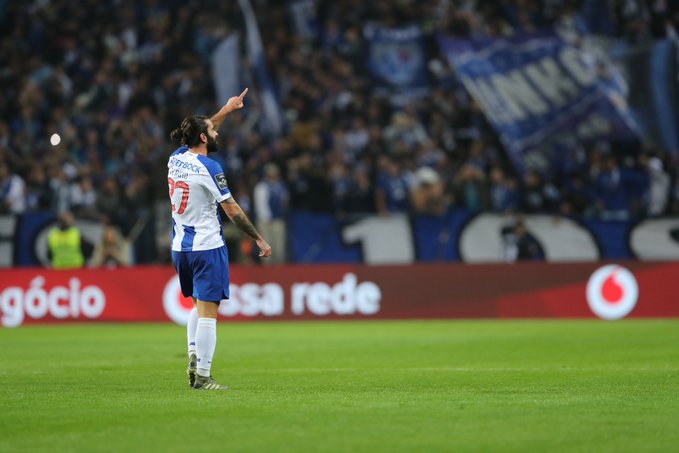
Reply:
x=113, y=78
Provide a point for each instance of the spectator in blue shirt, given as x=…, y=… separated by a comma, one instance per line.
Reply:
x=393, y=188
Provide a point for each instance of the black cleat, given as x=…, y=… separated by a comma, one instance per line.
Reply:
x=207, y=383
x=191, y=370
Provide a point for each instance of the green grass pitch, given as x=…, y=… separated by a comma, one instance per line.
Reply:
x=346, y=386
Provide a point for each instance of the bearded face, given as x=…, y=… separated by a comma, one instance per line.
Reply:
x=211, y=144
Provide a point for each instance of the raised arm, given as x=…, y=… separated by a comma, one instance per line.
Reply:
x=234, y=103
x=238, y=217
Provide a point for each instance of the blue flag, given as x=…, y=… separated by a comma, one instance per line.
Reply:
x=541, y=93
x=396, y=59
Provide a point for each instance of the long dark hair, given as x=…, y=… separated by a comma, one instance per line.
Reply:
x=189, y=132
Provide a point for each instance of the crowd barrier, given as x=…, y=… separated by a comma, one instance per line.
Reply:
x=457, y=236
x=289, y=292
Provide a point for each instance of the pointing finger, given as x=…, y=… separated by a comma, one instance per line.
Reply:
x=245, y=91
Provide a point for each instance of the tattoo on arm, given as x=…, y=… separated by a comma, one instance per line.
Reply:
x=242, y=222
x=239, y=218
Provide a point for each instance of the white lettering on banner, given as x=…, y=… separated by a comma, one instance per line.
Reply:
x=383, y=240
x=60, y=311
x=495, y=107
x=12, y=306
x=251, y=299
x=561, y=240
x=574, y=62
x=344, y=298
x=546, y=75
x=521, y=98
x=516, y=95
x=35, y=300
x=566, y=240
x=61, y=302
x=92, y=301
x=652, y=240
x=347, y=297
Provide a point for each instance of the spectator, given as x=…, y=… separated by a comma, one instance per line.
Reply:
x=113, y=250
x=405, y=130
x=471, y=189
x=66, y=248
x=659, y=187
x=309, y=189
x=576, y=197
x=341, y=184
x=83, y=198
x=357, y=136
x=137, y=218
x=520, y=245
x=12, y=191
x=39, y=196
x=611, y=201
x=504, y=192
x=108, y=202
x=538, y=195
x=271, y=206
x=393, y=188
x=360, y=199
x=428, y=193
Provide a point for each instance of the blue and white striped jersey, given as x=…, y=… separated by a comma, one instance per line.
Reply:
x=197, y=185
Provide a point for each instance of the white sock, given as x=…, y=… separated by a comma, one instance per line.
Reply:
x=206, y=340
x=191, y=327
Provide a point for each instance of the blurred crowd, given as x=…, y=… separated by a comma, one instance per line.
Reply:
x=112, y=79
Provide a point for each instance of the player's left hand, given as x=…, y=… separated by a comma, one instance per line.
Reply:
x=264, y=248
x=236, y=102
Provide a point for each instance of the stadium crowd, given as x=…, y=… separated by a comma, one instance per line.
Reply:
x=113, y=78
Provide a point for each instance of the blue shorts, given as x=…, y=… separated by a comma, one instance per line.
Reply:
x=203, y=274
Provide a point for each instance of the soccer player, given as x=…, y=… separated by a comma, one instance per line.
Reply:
x=197, y=188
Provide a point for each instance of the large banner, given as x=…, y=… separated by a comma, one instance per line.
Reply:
x=458, y=235
x=469, y=237
x=541, y=92
x=397, y=60
x=152, y=294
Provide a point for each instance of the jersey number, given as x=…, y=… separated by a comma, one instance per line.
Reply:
x=185, y=194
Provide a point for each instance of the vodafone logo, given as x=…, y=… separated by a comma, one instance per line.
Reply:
x=177, y=307
x=612, y=292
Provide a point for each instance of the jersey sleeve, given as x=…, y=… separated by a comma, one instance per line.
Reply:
x=216, y=179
